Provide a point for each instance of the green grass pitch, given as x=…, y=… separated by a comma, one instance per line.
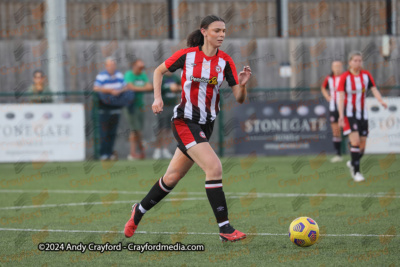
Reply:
x=91, y=201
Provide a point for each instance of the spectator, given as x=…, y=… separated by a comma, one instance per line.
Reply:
x=136, y=80
x=109, y=82
x=39, y=89
x=169, y=88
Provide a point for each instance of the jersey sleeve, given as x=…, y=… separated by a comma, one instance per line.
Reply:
x=342, y=82
x=371, y=80
x=176, y=61
x=230, y=72
x=325, y=84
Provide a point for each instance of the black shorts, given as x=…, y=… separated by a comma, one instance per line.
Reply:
x=334, y=116
x=188, y=133
x=351, y=124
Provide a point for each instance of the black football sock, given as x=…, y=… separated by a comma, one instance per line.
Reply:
x=336, y=144
x=355, y=158
x=216, y=196
x=155, y=195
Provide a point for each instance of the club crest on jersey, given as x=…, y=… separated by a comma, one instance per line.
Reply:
x=202, y=134
x=213, y=80
x=218, y=69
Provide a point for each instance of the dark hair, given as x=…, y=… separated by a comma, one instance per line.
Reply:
x=133, y=63
x=38, y=71
x=196, y=38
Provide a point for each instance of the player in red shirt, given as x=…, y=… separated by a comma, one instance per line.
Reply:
x=204, y=67
x=353, y=116
x=331, y=82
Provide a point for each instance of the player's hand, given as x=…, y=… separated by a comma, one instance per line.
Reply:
x=157, y=106
x=328, y=99
x=341, y=122
x=383, y=103
x=244, y=75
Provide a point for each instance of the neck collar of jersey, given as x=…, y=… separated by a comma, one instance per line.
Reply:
x=200, y=49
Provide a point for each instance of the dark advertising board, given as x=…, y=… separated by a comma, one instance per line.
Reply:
x=283, y=127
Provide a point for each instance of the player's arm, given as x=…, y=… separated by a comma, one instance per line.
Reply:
x=340, y=102
x=157, y=80
x=324, y=91
x=374, y=90
x=239, y=90
x=341, y=108
x=378, y=96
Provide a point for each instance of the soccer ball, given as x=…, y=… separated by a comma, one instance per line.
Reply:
x=303, y=232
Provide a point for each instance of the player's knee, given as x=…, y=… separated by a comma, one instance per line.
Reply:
x=172, y=178
x=336, y=133
x=355, y=143
x=214, y=171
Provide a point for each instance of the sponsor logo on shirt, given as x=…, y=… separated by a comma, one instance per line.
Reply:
x=213, y=80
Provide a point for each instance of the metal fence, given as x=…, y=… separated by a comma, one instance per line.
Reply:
x=226, y=140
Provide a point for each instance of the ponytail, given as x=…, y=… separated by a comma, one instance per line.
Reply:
x=196, y=38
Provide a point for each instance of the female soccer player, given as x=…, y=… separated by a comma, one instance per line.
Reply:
x=353, y=115
x=204, y=68
x=331, y=82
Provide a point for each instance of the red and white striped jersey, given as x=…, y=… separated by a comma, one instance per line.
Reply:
x=355, y=88
x=201, y=79
x=331, y=82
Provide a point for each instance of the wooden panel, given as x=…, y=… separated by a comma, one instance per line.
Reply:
x=337, y=18
x=22, y=19
x=116, y=20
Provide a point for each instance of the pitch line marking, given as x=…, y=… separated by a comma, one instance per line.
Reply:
x=372, y=195
x=177, y=233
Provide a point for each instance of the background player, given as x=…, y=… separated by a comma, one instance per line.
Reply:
x=331, y=82
x=204, y=68
x=353, y=115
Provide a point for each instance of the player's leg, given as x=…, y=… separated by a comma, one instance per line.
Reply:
x=177, y=169
x=337, y=140
x=354, y=138
x=205, y=157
